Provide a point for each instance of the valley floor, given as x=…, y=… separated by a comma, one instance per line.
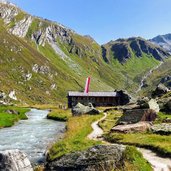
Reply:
x=75, y=139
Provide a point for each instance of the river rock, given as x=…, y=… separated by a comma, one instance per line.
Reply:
x=137, y=115
x=80, y=109
x=132, y=128
x=14, y=160
x=160, y=90
x=163, y=129
x=97, y=158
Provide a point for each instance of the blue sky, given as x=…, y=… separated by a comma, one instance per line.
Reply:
x=105, y=20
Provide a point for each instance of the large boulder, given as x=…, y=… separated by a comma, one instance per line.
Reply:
x=97, y=158
x=129, y=106
x=14, y=160
x=163, y=129
x=80, y=109
x=160, y=90
x=143, y=102
x=125, y=98
x=137, y=115
x=154, y=105
x=165, y=104
x=132, y=128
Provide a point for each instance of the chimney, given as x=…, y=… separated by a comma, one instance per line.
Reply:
x=87, y=85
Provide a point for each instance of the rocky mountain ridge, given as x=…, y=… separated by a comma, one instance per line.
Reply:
x=124, y=49
x=163, y=41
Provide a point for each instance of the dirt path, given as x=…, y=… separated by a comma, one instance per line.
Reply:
x=158, y=163
x=97, y=131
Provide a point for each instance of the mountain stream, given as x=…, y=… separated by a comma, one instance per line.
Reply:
x=32, y=136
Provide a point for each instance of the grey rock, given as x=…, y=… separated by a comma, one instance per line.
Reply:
x=8, y=12
x=125, y=97
x=165, y=104
x=12, y=95
x=14, y=160
x=143, y=103
x=35, y=68
x=53, y=86
x=10, y=111
x=154, y=105
x=27, y=76
x=163, y=129
x=80, y=109
x=160, y=90
x=137, y=115
x=44, y=69
x=2, y=95
x=132, y=128
x=124, y=107
x=21, y=28
x=162, y=102
x=97, y=158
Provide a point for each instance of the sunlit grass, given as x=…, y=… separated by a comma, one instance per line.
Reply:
x=160, y=143
x=59, y=114
x=7, y=120
x=75, y=138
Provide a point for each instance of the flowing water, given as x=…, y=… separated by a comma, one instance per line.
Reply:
x=32, y=136
x=142, y=83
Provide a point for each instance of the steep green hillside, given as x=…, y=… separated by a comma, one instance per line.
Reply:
x=134, y=57
x=161, y=73
x=41, y=60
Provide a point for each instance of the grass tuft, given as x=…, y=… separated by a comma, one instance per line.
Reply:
x=7, y=120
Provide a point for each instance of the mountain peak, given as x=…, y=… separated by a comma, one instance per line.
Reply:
x=163, y=41
x=7, y=2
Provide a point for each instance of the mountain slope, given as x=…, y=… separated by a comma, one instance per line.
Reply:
x=42, y=59
x=164, y=41
x=47, y=46
x=160, y=75
x=134, y=56
x=124, y=49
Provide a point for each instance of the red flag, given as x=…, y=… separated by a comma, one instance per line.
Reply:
x=87, y=85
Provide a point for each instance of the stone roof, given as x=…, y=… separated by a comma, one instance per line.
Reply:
x=93, y=94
